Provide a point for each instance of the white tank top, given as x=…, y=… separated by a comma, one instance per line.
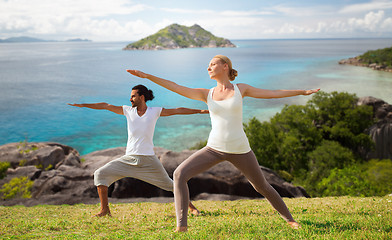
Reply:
x=227, y=133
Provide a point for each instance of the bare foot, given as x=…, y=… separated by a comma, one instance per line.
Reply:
x=103, y=213
x=294, y=225
x=194, y=211
x=181, y=229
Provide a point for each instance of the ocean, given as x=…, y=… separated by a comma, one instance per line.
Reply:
x=39, y=79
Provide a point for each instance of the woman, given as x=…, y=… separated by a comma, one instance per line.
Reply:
x=227, y=140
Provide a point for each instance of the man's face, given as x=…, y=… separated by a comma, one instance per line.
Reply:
x=135, y=99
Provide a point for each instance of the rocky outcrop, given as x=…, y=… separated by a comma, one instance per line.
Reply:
x=356, y=61
x=381, y=131
x=68, y=180
x=177, y=36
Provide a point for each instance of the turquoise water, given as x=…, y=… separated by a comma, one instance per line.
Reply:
x=38, y=79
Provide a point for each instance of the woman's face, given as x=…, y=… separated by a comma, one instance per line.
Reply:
x=216, y=68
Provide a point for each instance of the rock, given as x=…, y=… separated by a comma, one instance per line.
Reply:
x=72, y=182
x=357, y=61
x=43, y=154
x=380, y=132
x=218, y=197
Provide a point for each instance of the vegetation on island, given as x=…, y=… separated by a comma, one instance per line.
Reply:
x=380, y=57
x=322, y=146
x=179, y=36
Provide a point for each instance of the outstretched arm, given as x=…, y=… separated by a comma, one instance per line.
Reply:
x=100, y=106
x=192, y=93
x=249, y=91
x=183, y=111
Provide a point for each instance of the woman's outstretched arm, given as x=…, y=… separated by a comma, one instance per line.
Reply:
x=249, y=91
x=192, y=93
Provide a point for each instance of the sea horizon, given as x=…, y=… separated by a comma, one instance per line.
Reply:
x=39, y=79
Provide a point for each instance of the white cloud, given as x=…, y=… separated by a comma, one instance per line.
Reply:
x=90, y=8
x=371, y=22
x=387, y=24
x=366, y=7
x=245, y=13
x=188, y=11
x=123, y=20
x=65, y=17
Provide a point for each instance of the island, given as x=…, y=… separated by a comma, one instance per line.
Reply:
x=178, y=36
x=25, y=39
x=380, y=59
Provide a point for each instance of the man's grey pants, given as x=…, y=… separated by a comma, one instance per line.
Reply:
x=147, y=168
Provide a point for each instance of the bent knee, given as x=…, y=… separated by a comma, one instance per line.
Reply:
x=99, y=173
x=179, y=175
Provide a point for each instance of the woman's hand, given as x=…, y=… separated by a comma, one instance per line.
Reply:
x=137, y=73
x=308, y=92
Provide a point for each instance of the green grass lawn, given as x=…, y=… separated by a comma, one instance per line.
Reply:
x=321, y=218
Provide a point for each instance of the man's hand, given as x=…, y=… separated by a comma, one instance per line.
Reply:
x=75, y=104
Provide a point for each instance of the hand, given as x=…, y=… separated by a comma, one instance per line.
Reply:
x=308, y=92
x=137, y=73
x=204, y=111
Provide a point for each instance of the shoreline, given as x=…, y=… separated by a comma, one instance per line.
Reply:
x=356, y=61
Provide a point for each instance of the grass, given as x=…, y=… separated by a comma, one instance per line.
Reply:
x=321, y=218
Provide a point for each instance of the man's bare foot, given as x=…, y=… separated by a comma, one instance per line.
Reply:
x=103, y=213
x=294, y=225
x=181, y=229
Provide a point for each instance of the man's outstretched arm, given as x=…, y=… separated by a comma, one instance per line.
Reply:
x=181, y=111
x=100, y=106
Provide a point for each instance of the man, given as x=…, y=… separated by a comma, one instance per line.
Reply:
x=139, y=160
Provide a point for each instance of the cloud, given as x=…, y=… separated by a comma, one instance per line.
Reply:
x=371, y=22
x=65, y=17
x=366, y=7
x=123, y=20
x=188, y=11
x=245, y=13
x=89, y=8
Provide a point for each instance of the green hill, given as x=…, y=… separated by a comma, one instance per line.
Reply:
x=178, y=36
x=381, y=57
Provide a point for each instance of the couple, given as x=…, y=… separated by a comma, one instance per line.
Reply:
x=227, y=140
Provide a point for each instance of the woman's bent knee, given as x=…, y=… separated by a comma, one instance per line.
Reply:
x=179, y=175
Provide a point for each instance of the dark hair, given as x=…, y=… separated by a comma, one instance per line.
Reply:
x=142, y=90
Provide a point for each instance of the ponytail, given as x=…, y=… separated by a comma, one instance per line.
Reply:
x=143, y=90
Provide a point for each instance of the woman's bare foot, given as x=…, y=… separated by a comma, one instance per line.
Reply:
x=194, y=212
x=193, y=209
x=181, y=229
x=294, y=225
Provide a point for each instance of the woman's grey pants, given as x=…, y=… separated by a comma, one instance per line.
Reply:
x=207, y=157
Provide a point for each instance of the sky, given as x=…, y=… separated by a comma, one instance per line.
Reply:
x=131, y=20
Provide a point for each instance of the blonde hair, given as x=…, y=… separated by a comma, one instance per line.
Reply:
x=232, y=72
